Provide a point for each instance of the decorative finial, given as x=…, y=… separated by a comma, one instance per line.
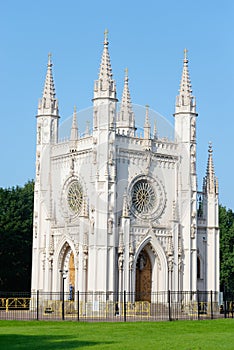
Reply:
x=126, y=72
x=210, y=147
x=49, y=58
x=185, y=54
x=106, y=36
x=75, y=108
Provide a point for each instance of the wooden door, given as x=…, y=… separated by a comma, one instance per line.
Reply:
x=143, y=277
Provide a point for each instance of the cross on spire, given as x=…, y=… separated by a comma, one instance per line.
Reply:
x=49, y=57
x=106, y=36
x=185, y=54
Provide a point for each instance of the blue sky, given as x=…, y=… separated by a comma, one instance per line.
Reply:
x=148, y=38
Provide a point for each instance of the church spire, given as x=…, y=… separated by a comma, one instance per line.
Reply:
x=211, y=181
x=74, y=128
x=105, y=86
x=185, y=101
x=126, y=119
x=48, y=104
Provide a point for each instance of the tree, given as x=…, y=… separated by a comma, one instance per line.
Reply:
x=16, y=227
x=226, y=223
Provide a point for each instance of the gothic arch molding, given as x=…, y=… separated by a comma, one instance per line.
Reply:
x=65, y=252
x=158, y=262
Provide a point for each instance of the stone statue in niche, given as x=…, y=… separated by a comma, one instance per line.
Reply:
x=120, y=261
x=110, y=225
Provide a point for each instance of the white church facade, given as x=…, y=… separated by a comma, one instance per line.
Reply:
x=116, y=212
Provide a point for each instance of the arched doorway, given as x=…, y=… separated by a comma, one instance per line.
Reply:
x=143, y=277
x=67, y=270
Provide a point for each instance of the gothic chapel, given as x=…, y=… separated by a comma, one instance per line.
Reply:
x=116, y=211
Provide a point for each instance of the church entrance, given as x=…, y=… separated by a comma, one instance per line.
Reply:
x=143, y=277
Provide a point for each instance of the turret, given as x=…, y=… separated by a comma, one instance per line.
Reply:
x=104, y=168
x=212, y=220
x=185, y=135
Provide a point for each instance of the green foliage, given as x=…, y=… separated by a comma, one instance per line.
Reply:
x=226, y=223
x=183, y=335
x=16, y=223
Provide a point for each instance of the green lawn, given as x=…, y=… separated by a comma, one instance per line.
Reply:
x=179, y=335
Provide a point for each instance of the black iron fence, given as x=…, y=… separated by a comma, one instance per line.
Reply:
x=78, y=306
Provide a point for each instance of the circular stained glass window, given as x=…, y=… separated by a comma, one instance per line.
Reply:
x=143, y=197
x=75, y=197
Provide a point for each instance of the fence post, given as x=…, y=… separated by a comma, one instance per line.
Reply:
x=37, y=306
x=211, y=305
x=63, y=313
x=198, y=302
x=78, y=306
x=125, y=311
x=224, y=302
x=169, y=305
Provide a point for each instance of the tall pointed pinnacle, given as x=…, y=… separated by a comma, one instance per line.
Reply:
x=185, y=101
x=48, y=104
x=155, y=134
x=211, y=181
x=126, y=118
x=105, y=85
x=74, y=128
x=147, y=124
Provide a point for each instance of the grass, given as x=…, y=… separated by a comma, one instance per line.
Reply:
x=181, y=335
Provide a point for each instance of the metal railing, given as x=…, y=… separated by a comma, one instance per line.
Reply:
x=159, y=306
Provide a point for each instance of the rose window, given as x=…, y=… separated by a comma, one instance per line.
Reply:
x=143, y=197
x=75, y=197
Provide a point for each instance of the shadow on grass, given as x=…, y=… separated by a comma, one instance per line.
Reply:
x=16, y=342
